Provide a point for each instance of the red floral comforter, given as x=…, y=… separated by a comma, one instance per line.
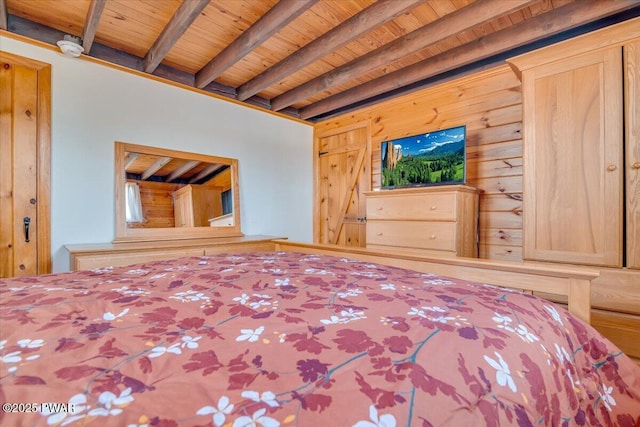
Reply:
x=268, y=339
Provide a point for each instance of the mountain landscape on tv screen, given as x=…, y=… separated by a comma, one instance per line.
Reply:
x=407, y=162
x=446, y=149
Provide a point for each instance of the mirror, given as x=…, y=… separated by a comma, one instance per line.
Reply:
x=167, y=194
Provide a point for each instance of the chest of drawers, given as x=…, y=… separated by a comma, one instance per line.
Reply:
x=426, y=220
x=99, y=255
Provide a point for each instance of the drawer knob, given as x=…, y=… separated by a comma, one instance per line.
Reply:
x=636, y=165
x=611, y=168
x=379, y=208
x=433, y=208
x=433, y=237
x=379, y=234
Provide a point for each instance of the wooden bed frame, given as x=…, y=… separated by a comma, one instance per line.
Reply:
x=558, y=282
x=572, y=282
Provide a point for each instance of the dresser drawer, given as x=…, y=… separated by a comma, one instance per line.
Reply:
x=438, y=206
x=412, y=234
x=410, y=251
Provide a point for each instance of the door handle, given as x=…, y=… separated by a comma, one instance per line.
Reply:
x=26, y=221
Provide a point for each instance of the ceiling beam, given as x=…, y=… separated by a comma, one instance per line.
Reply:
x=3, y=15
x=270, y=23
x=470, y=16
x=373, y=16
x=129, y=159
x=188, y=11
x=155, y=167
x=542, y=26
x=206, y=171
x=182, y=170
x=96, y=7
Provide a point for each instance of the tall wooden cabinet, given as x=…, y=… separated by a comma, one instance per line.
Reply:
x=581, y=169
x=193, y=205
x=575, y=109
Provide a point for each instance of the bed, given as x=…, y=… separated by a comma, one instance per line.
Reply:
x=289, y=338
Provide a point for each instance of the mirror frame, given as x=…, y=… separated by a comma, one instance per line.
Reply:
x=126, y=234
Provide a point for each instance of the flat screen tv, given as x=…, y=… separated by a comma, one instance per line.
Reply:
x=432, y=158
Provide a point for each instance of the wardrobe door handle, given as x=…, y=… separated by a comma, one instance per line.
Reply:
x=25, y=222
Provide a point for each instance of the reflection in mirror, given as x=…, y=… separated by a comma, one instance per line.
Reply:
x=159, y=191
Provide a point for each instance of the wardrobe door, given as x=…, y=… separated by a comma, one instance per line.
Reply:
x=632, y=140
x=573, y=147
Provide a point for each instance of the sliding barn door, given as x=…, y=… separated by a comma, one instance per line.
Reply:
x=343, y=177
x=24, y=167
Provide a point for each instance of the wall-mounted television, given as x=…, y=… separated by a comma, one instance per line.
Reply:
x=431, y=158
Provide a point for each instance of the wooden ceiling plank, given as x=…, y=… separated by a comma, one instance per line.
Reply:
x=468, y=17
x=182, y=170
x=545, y=25
x=188, y=11
x=375, y=15
x=3, y=15
x=206, y=171
x=270, y=23
x=155, y=167
x=96, y=7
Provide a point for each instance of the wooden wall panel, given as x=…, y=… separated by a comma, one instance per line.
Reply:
x=501, y=252
x=157, y=204
x=501, y=236
x=620, y=328
x=490, y=105
x=497, y=151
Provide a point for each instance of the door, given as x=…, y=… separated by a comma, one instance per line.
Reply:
x=181, y=202
x=343, y=177
x=632, y=117
x=24, y=166
x=573, y=166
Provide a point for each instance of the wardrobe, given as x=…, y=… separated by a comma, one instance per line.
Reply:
x=581, y=167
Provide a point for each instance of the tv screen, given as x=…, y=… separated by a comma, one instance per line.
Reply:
x=432, y=158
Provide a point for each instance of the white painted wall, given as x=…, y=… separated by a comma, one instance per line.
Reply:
x=94, y=105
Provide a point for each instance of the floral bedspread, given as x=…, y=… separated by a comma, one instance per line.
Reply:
x=286, y=339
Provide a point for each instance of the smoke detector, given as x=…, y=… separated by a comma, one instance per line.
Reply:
x=70, y=46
